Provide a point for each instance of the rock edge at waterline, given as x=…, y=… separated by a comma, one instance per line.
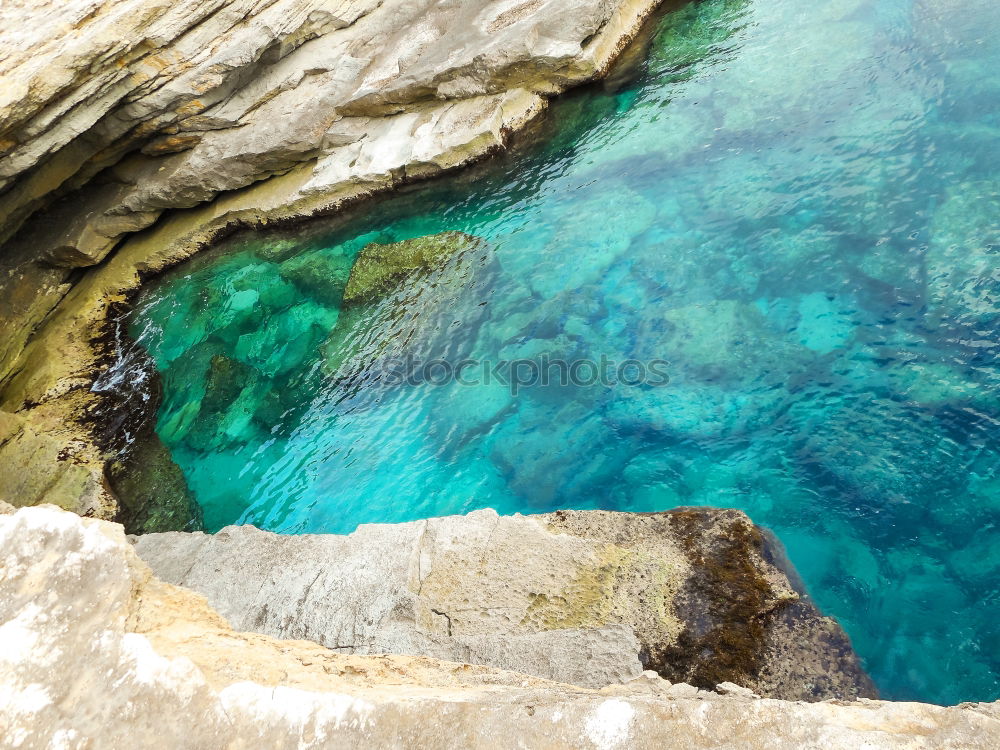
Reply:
x=100, y=653
x=583, y=597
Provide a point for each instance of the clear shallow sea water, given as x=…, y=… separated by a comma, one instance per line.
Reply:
x=796, y=204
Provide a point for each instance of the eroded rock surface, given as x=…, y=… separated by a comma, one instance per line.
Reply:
x=134, y=132
x=99, y=653
x=584, y=597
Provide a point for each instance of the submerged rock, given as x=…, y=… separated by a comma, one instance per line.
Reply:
x=963, y=257
x=379, y=269
x=151, y=488
x=585, y=597
x=319, y=275
x=232, y=390
x=409, y=298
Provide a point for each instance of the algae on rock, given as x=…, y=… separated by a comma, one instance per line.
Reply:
x=402, y=295
x=379, y=269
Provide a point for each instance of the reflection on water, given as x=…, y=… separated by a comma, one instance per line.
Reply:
x=796, y=205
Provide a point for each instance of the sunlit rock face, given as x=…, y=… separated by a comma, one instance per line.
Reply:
x=100, y=653
x=585, y=597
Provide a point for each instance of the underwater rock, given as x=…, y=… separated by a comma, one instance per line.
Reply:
x=593, y=231
x=876, y=450
x=963, y=257
x=151, y=488
x=319, y=275
x=538, y=451
x=724, y=342
x=232, y=390
x=225, y=380
x=694, y=594
x=287, y=340
x=379, y=269
x=693, y=410
x=420, y=297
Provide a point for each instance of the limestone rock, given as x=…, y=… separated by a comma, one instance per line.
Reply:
x=100, y=654
x=692, y=594
x=36, y=467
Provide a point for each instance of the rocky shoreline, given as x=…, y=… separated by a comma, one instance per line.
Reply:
x=105, y=654
x=225, y=119
x=583, y=597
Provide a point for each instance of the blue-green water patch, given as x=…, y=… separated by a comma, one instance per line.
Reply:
x=797, y=205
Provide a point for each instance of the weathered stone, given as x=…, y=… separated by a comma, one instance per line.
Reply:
x=379, y=268
x=99, y=653
x=691, y=593
x=36, y=467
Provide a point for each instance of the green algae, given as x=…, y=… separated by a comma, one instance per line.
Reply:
x=380, y=268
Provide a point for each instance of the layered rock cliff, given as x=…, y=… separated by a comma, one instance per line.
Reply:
x=189, y=118
x=99, y=653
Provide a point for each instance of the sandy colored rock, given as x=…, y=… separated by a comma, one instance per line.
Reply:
x=100, y=654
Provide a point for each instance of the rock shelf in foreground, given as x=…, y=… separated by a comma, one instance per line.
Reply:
x=583, y=597
x=99, y=653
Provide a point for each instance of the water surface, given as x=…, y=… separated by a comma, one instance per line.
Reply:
x=795, y=204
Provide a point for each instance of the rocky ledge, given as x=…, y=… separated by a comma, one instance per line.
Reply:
x=583, y=597
x=135, y=132
x=98, y=652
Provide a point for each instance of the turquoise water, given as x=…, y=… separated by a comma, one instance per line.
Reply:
x=795, y=204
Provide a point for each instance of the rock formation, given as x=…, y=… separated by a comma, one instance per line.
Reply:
x=378, y=268
x=100, y=653
x=189, y=118
x=584, y=597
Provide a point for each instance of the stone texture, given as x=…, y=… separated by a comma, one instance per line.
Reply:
x=98, y=653
x=200, y=87
x=378, y=268
x=584, y=597
x=55, y=476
